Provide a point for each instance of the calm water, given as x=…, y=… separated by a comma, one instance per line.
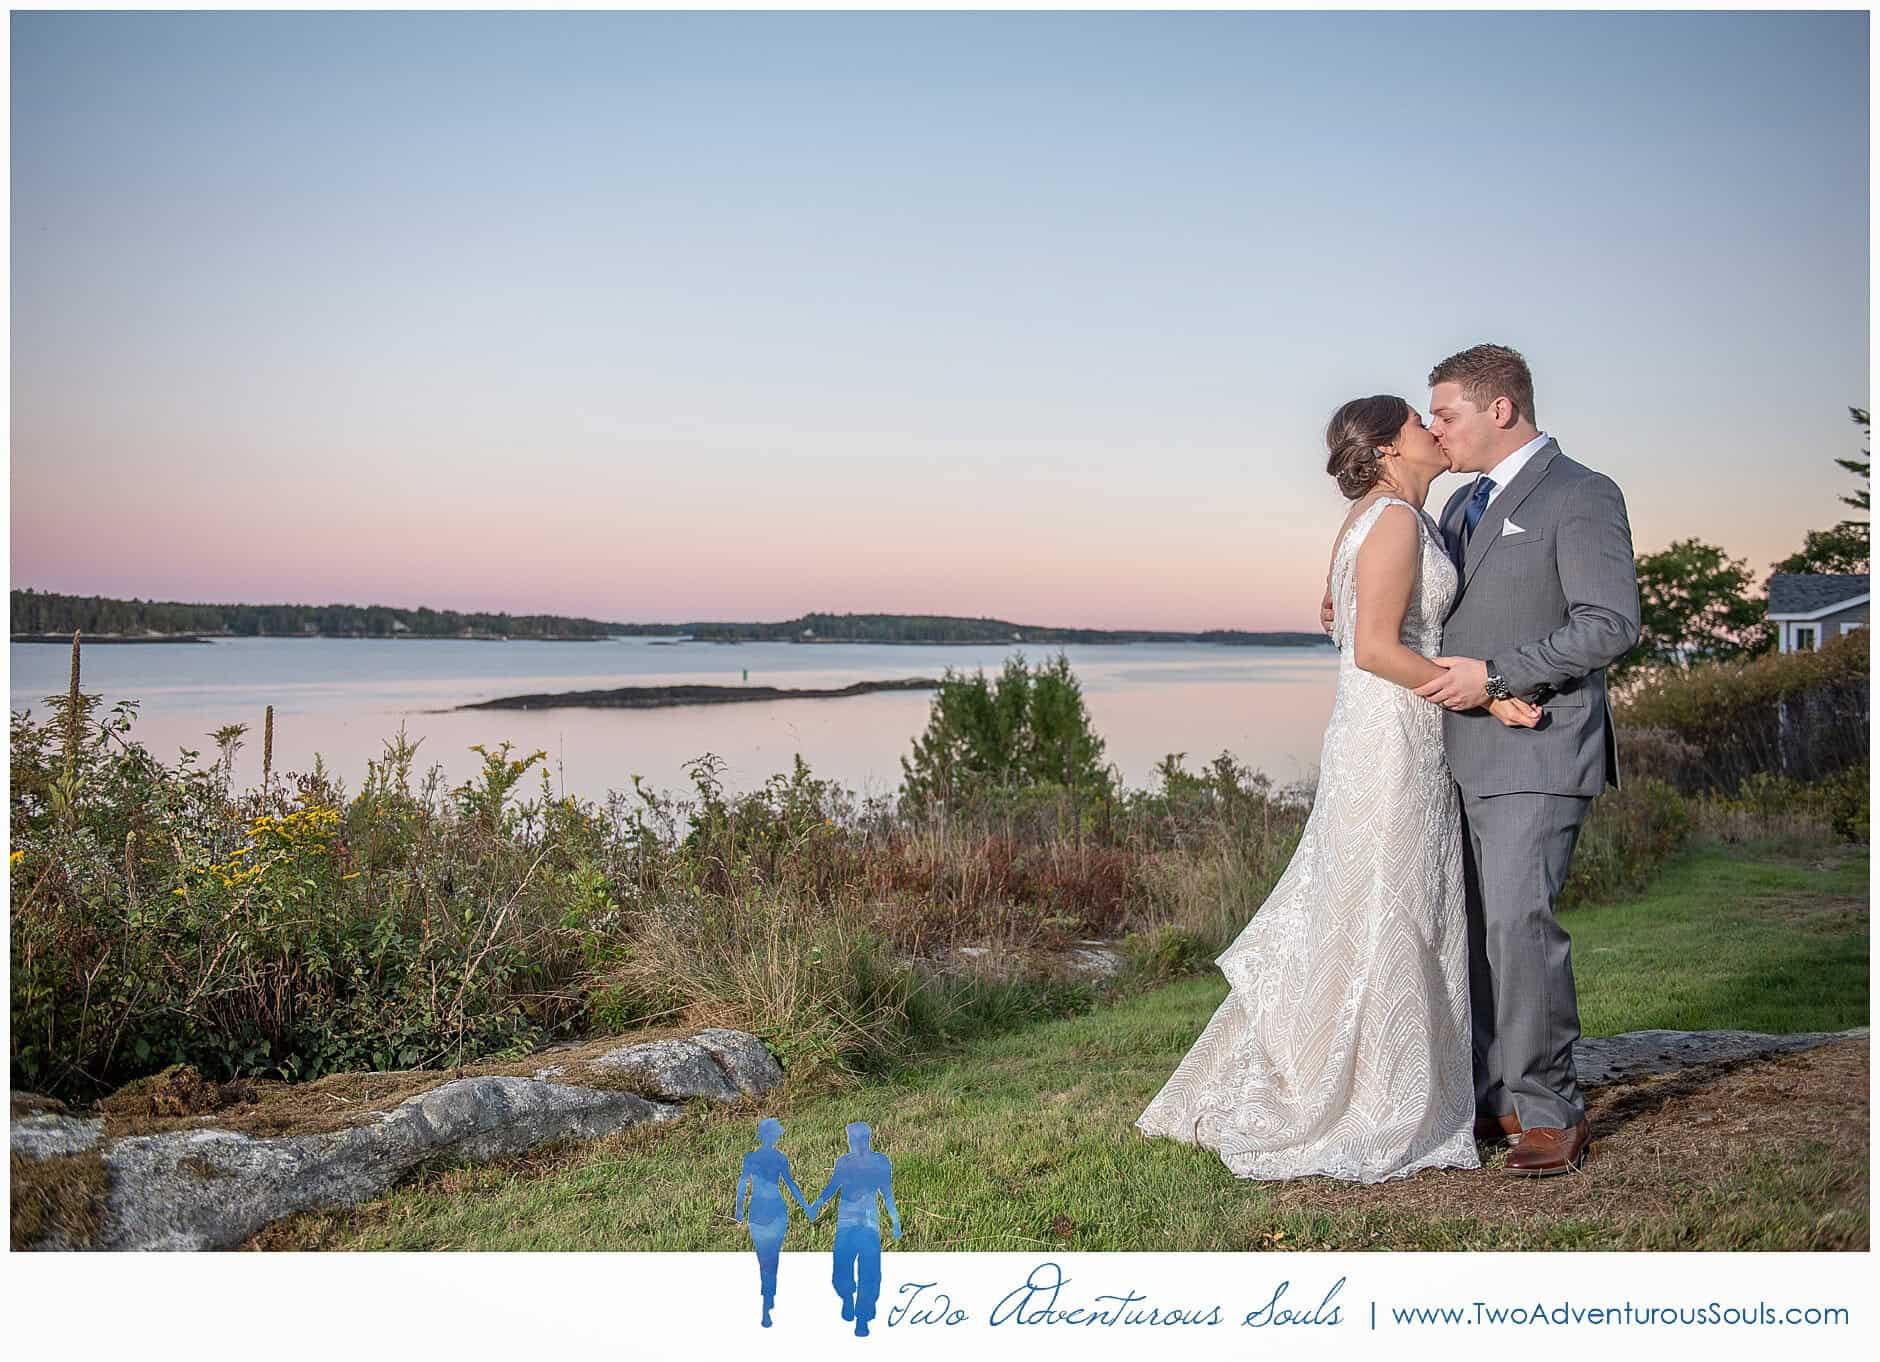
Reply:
x=343, y=698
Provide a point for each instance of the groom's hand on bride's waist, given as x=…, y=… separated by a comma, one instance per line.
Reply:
x=1463, y=684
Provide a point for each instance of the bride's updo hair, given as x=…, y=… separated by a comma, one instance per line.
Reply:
x=1353, y=435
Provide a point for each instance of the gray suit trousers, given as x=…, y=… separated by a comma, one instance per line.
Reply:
x=1515, y=853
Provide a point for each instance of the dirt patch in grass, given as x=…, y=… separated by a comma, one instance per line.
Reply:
x=1827, y=914
x=1793, y=839
x=61, y=1197
x=1079, y=1094
x=1661, y=1145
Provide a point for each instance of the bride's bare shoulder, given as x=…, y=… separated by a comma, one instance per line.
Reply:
x=1384, y=540
x=1358, y=511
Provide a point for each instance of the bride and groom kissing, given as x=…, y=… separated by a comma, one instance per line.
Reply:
x=1406, y=993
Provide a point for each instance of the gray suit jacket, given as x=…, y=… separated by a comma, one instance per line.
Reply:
x=1553, y=603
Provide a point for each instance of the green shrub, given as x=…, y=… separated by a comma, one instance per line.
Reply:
x=1628, y=834
x=1764, y=805
x=1848, y=795
x=1168, y=951
x=1025, y=730
x=1800, y=715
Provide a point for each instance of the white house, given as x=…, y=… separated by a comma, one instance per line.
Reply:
x=1809, y=608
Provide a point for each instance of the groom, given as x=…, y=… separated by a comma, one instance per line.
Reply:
x=1547, y=600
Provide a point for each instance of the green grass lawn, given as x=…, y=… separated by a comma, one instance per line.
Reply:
x=1748, y=939
x=1026, y=1140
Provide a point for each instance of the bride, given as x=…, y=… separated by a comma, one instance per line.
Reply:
x=1343, y=1046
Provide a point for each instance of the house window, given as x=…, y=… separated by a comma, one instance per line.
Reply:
x=1851, y=626
x=1804, y=638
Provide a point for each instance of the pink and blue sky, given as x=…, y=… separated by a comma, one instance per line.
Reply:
x=1040, y=316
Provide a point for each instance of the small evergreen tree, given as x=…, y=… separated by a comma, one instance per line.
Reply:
x=1024, y=729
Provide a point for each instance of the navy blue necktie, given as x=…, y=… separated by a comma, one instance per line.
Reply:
x=1472, y=515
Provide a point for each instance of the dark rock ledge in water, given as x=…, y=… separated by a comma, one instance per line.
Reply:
x=656, y=697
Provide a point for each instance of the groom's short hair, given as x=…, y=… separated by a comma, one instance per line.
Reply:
x=1486, y=372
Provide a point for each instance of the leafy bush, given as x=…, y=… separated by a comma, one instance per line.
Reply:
x=1800, y=715
x=1628, y=834
x=1169, y=951
x=1848, y=797
x=1764, y=804
x=157, y=918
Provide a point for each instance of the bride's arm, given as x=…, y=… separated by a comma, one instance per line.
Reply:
x=1387, y=570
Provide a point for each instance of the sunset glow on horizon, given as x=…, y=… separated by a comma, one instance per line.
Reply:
x=1036, y=316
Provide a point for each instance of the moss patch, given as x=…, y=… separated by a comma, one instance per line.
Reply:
x=179, y=1098
x=199, y=1167
x=61, y=1198
x=177, y=1091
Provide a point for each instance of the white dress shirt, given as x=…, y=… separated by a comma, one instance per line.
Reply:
x=1504, y=472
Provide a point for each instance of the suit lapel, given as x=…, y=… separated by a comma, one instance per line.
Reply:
x=1451, y=526
x=1451, y=522
x=1488, y=528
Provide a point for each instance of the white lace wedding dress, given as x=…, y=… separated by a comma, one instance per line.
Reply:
x=1343, y=1046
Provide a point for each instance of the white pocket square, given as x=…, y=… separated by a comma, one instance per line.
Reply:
x=1509, y=527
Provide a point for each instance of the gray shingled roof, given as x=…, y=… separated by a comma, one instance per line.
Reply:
x=1803, y=593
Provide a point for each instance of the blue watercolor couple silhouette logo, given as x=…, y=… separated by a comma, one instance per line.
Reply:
x=861, y=1176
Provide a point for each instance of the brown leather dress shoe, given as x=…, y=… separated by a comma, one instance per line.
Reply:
x=1493, y=1130
x=1544, y=1152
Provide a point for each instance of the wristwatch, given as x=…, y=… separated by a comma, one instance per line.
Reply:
x=1497, y=688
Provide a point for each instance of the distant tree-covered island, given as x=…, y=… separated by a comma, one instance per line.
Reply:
x=51, y=617
x=931, y=629
x=46, y=614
